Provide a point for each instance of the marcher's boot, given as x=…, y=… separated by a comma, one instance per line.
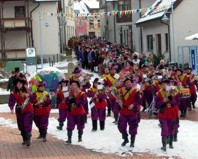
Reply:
x=164, y=143
x=171, y=142
x=108, y=112
x=175, y=137
x=69, y=134
x=126, y=140
x=102, y=125
x=116, y=119
x=94, y=125
x=193, y=104
x=60, y=127
x=40, y=134
x=167, y=139
x=144, y=106
x=44, y=134
x=184, y=113
x=85, y=118
x=23, y=136
x=80, y=132
x=28, y=137
x=132, y=140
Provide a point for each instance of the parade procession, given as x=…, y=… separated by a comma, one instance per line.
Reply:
x=127, y=87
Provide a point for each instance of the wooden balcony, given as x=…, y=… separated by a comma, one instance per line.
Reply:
x=14, y=54
x=15, y=23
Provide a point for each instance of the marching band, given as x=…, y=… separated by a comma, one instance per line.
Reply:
x=121, y=89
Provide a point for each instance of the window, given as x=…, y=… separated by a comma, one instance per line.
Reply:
x=150, y=42
x=19, y=11
x=166, y=41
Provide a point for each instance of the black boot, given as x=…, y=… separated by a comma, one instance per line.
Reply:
x=69, y=134
x=94, y=125
x=102, y=125
x=171, y=142
x=40, y=134
x=116, y=119
x=132, y=140
x=175, y=137
x=126, y=140
x=167, y=139
x=164, y=143
x=60, y=127
x=193, y=105
x=28, y=137
x=85, y=118
x=108, y=112
x=44, y=134
x=23, y=136
x=144, y=106
x=184, y=113
x=80, y=132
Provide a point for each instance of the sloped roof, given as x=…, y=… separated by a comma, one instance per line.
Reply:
x=92, y=4
x=158, y=9
x=81, y=7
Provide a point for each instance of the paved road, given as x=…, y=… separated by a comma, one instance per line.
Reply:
x=11, y=148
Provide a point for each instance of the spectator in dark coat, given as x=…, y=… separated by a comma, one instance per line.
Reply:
x=10, y=86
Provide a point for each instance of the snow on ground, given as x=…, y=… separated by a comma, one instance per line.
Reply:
x=148, y=139
x=4, y=91
x=3, y=80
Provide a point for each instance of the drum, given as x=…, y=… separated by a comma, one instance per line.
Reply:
x=185, y=92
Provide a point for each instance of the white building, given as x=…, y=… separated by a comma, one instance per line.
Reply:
x=165, y=36
x=70, y=19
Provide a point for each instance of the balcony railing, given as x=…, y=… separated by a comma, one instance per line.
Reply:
x=12, y=23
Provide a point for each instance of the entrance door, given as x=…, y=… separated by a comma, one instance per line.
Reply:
x=193, y=58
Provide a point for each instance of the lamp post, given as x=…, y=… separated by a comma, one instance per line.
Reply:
x=41, y=45
x=173, y=31
x=41, y=37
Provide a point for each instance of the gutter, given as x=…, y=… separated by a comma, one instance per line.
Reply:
x=38, y=4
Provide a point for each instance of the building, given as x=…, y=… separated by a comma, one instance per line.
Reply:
x=80, y=23
x=24, y=24
x=122, y=28
x=165, y=32
x=70, y=19
x=93, y=19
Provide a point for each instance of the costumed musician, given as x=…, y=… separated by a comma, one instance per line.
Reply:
x=23, y=108
x=61, y=94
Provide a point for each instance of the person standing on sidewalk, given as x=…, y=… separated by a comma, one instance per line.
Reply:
x=76, y=111
x=42, y=109
x=24, y=109
x=10, y=86
x=61, y=103
x=129, y=102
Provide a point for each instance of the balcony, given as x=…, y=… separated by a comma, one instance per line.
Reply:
x=14, y=23
x=14, y=54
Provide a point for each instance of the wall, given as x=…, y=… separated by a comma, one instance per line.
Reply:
x=50, y=34
x=153, y=28
x=185, y=24
x=135, y=18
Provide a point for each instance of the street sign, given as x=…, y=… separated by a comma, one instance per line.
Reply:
x=30, y=52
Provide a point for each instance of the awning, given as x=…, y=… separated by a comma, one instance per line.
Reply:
x=192, y=37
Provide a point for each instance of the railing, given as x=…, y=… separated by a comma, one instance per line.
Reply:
x=15, y=22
